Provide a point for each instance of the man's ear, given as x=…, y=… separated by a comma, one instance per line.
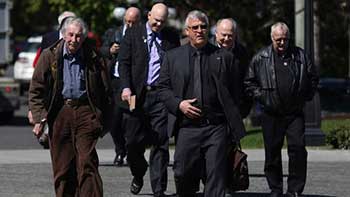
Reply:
x=186, y=31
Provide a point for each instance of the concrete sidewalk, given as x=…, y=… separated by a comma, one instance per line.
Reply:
x=28, y=173
x=107, y=155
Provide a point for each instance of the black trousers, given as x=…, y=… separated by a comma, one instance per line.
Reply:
x=193, y=145
x=117, y=131
x=275, y=128
x=148, y=126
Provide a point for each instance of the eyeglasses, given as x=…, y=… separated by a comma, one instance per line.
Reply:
x=281, y=39
x=196, y=27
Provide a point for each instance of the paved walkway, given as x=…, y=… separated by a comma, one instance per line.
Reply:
x=28, y=173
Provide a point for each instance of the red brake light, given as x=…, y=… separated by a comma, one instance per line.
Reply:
x=8, y=89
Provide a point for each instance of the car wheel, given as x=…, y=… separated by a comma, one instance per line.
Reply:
x=6, y=116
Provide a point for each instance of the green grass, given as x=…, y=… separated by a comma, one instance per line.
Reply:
x=328, y=125
x=254, y=138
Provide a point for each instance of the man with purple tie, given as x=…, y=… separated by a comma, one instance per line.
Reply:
x=140, y=58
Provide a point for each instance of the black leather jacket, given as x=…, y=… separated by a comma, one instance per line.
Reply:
x=260, y=80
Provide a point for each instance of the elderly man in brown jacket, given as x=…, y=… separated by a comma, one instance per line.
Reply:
x=70, y=90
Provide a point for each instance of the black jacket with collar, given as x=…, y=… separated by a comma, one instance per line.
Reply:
x=242, y=62
x=260, y=80
x=174, y=80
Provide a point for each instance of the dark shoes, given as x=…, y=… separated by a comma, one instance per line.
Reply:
x=44, y=140
x=292, y=194
x=276, y=194
x=136, y=185
x=119, y=160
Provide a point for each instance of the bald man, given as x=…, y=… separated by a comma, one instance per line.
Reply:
x=140, y=58
x=109, y=50
x=226, y=37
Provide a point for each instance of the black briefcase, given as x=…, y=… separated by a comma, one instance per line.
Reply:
x=238, y=169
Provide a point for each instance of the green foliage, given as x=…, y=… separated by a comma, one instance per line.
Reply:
x=97, y=14
x=254, y=18
x=334, y=38
x=253, y=139
x=338, y=134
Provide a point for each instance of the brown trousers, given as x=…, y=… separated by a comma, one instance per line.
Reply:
x=74, y=158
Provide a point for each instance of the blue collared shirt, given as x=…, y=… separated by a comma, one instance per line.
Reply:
x=73, y=75
x=154, y=56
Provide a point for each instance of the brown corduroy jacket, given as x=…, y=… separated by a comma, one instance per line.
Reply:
x=45, y=92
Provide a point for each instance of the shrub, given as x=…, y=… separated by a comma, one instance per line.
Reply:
x=339, y=137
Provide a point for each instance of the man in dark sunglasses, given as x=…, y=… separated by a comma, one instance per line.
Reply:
x=195, y=85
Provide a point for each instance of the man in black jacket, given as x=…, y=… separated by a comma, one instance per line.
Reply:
x=226, y=38
x=196, y=86
x=282, y=78
x=140, y=57
x=110, y=50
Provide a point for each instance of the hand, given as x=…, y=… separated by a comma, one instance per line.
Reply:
x=126, y=94
x=189, y=110
x=38, y=129
x=30, y=117
x=114, y=49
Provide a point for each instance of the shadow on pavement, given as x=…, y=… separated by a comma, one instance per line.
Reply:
x=253, y=194
x=16, y=121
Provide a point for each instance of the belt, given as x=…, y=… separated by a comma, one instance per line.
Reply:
x=75, y=102
x=203, y=121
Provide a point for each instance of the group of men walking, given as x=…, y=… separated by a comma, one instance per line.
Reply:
x=151, y=88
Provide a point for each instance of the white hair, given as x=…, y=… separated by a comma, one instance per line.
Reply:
x=196, y=14
x=234, y=23
x=281, y=25
x=64, y=15
x=76, y=21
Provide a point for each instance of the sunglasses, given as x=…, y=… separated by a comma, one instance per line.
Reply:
x=196, y=27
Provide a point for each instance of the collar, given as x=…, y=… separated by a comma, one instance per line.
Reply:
x=286, y=55
x=193, y=50
x=148, y=29
x=149, y=32
x=68, y=55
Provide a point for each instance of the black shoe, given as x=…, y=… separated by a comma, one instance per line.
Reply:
x=276, y=194
x=292, y=194
x=44, y=141
x=118, y=160
x=136, y=185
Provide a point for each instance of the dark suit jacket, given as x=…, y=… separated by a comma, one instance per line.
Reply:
x=133, y=56
x=175, y=75
x=242, y=62
x=49, y=39
x=112, y=35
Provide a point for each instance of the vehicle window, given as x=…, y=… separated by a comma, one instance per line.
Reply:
x=31, y=47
